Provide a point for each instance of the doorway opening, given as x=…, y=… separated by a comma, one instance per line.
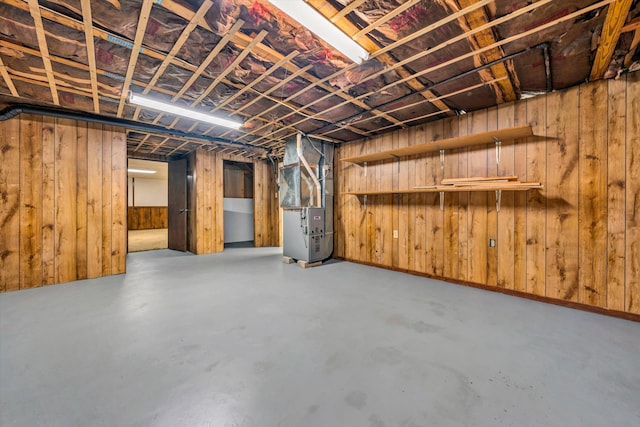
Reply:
x=147, y=219
x=238, y=204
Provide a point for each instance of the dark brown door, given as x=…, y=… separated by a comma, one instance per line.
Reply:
x=178, y=208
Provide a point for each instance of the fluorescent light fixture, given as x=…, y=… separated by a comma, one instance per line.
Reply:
x=140, y=171
x=323, y=28
x=144, y=101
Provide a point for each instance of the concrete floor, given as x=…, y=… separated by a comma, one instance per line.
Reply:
x=240, y=339
x=147, y=240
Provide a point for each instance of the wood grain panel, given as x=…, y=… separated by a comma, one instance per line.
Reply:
x=520, y=242
x=492, y=214
x=420, y=240
x=547, y=238
x=562, y=197
x=65, y=224
x=94, y=200
x=450, y=225
x=30, y=202
x=48, y=201
x=218, y=201
x=616, y=170
x=477, y=214
x=592, y=200
x=632, y=273
x=51, y=214
x=536, y=201
x=81, y=200
x=119, y=202
x=207, y=208
x=463, y=205
x=10, y=206
x=107, y=137
x=338, y=203
x=505, y=219
x=434, y=216
x=147, y=217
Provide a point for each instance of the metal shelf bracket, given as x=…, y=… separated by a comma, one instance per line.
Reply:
x=442, y=158
x=498, y=199
x=498, y=149
x=441, y=200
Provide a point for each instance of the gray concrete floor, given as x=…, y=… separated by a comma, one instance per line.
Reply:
x=240, y=339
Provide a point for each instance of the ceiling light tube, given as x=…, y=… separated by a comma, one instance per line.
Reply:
x=140, y=171
x=144, y=101
x=323, y=28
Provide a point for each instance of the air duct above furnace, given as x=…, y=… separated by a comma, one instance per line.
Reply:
x=306, y=196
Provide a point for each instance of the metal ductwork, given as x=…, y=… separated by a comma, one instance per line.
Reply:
x=306, y=196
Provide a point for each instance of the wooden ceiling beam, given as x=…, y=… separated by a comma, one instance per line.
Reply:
x=388, y=48
x=242, y=40
x=463, y=36
x=386, y=18
x=613, y=23
x=205, y=63
x=184, y=36
x=351, y=30
x=347, y=10
x=145, y=11
x=7, y=79
x=502, y=72
x=91, y=52
x=632, y=49
x=34, y=9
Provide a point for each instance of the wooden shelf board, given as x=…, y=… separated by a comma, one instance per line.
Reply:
x=448, y=189
x=444, y=144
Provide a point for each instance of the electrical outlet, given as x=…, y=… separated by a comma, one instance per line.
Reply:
x=395, y=234
x=492, y=243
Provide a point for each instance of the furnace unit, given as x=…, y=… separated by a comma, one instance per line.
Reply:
x=306, y=196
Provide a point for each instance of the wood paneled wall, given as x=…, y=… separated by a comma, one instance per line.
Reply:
x=206, y=226
x=147, y=217
x=576, y=240
x=63, y=187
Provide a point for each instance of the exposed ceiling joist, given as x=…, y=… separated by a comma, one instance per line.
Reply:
x=204, y=8
x=347, y=10
x=350, y=29
x=91, y=53
x=500, y=73
x=613, y=23
x=7, y=79
x=135, y=51
x=34, y=9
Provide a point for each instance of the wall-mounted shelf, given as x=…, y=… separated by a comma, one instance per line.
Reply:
x=458, y=142
x=441, y=189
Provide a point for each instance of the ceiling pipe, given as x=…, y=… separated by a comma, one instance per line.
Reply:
x=544, y=46
x=16, y=109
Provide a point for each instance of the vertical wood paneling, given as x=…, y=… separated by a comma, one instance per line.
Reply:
x=30, y=202
x=420, y=231
x=616, y=168
x=207, y=214
x=632, y=274
x=562, y=197
x=385, y=225
x=536, y=202
x=592, y=202
x=81, y=200
x=65, y=225
x=450, y=227
x=399, y=206
x=463, y=205
x=338, y=203
x=119, y=202
x=410, y=224
x=505, y=220
x=434, y=216
x=94, y=200
x=477, y=214
x=48, y=201
x=520, y=242
x=10, y=205
x=492, y=214
x=51, y=213
x=107, y=137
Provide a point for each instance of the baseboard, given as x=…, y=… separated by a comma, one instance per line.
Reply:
x=569, y=304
